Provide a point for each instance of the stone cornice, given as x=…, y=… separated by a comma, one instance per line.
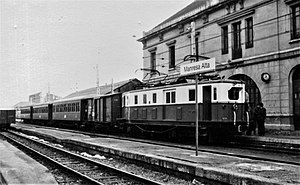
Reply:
x=235, y=16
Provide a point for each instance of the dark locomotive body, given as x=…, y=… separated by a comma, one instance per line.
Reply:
x=166, y=110
x=7, y=116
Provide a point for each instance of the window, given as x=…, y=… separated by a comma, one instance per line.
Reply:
x=295, y=22
x=77, y=107
x=224, y=39
x=154, y=98
x=173, y=97
x=123, y=101
x=236, y=45
x=170, y=97
x=153, y=60
x=144, y=98
x=233, y=93
x=215, y=93
x=136, y=99
x=249, y=33
x=172, y=56
x=197, y=46
x=192, y=96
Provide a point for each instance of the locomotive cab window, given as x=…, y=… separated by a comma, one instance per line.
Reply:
x=144, y=98
x=234, y=93
x=154, y=98
x=215, y=93
x=170, y=97
x=192, y=95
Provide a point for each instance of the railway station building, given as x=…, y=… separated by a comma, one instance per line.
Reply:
x=257, y=41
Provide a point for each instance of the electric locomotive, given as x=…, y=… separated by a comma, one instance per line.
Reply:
x=170, y=110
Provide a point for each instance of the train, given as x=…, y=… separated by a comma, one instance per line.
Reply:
x=166, y=111
x=7, y=116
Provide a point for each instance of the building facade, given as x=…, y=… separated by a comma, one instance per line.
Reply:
x=257, y=41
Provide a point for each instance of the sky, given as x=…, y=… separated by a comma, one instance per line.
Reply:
x=56, y=44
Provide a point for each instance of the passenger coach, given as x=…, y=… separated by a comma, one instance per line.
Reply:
x=26, y=114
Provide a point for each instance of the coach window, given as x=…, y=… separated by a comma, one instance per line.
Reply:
x=136, y=99
x=77, y=107
x=154, y=98
x=192, y=94
x=144, y=98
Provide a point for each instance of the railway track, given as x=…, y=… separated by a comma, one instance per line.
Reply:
x=250, y=150
x=92, y=172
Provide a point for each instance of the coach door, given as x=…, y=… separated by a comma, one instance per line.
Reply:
x=206, y=102
x=296, y=98
x=116, y=108
x=84, y=110
x=50, y=110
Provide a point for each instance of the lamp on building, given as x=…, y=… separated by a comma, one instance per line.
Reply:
x=265, y=77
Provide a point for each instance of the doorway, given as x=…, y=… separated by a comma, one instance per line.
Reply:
x=206, y=102
x=296, y=97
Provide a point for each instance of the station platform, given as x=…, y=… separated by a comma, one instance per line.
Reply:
x=293, y=139
x=226, y=169
x=18, y=168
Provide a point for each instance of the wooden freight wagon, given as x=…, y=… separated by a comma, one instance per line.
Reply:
x=7, y=116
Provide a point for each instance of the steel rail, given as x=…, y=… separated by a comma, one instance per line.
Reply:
x=96, y=163
x=188, y=147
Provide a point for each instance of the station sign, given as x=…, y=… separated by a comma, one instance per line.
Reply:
x=198, y=67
